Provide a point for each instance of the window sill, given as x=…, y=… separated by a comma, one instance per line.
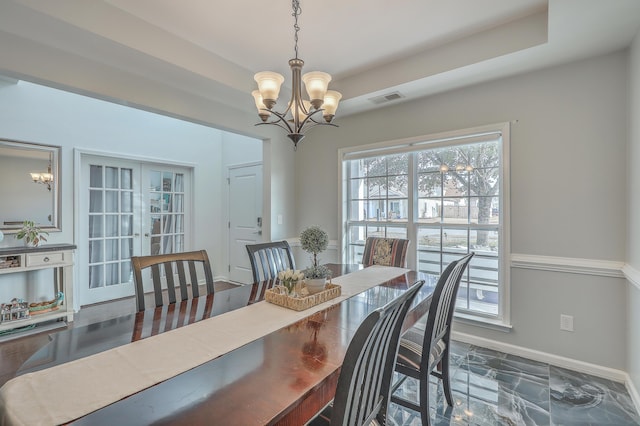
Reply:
x=490, y=323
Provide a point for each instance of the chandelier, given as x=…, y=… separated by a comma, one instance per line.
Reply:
x=301, y=114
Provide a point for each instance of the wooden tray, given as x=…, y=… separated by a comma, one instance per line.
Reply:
x=278, y=296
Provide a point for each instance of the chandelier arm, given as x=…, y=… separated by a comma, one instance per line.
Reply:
x=319, y=123
x=309, y=118
x=280, y=122
x=275, y=123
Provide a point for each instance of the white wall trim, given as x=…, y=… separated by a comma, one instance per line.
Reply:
x=603, y=268
x=633, y=392
x=556, y=360
x=632, y=275
x=295, y=242
x=133, y=157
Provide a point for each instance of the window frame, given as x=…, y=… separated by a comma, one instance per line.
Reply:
x=414, y=144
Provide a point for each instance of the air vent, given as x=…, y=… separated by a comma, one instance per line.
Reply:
x=387, y=97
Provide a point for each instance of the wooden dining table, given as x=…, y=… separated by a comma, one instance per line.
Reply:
x=284, y=377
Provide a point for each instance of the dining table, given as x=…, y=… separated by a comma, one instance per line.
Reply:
x=280, y=371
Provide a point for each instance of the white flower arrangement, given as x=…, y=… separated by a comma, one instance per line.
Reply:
x=289, y=278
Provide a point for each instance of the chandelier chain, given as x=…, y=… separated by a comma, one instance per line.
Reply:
x=297, y=10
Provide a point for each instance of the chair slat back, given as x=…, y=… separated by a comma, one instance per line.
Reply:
x=363, y=389
x=385, y=251
x=267, y=259
x=166, y=263
x=440, y=314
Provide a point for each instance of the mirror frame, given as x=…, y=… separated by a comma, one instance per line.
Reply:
x=55, y=153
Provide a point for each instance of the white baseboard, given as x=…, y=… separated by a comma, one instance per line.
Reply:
x=556, y=360
x=633, y=392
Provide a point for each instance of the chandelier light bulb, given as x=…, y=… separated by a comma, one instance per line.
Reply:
x=262, y=111
x=301, y=113
x=316, y=83
x=330, y=105
x=269, y=86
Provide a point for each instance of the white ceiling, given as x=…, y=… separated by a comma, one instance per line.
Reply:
x=209, y=49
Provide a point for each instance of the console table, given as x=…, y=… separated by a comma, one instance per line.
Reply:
x=58, y=257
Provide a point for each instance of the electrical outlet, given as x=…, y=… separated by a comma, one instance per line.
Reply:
x=280, y=219
x=566, y=322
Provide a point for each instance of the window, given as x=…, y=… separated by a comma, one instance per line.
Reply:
x=447, y=195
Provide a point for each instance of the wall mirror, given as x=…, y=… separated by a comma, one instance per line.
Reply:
x=30, y=176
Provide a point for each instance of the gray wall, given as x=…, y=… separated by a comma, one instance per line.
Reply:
x=633, y=251
x=568, y=191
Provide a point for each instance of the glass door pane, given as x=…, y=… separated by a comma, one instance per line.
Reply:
x=110, y=225
x=166, y=211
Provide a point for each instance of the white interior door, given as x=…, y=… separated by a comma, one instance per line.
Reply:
x=245, y=219
x=127, y=208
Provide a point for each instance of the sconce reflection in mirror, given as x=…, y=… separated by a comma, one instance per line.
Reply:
x=45, y=178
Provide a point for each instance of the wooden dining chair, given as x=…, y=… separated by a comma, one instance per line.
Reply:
x=363, y=389
x=171, y=263
x=267, y=259
x=385, y=251
x=425, y=351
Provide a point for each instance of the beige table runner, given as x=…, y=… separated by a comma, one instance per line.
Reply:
x=66, y=392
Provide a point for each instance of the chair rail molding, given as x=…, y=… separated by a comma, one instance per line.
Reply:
x=632, y=275
x=295, y=242
x=571, y=265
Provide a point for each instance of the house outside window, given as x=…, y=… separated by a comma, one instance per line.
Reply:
x=447, y=194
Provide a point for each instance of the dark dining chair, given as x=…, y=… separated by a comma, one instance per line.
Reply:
x=425, y=352
x=168, y=262
x=385, y=251
x=363, y=389
x=267, y=259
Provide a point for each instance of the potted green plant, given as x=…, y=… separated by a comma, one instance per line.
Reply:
x=314, y=240
x=31, y=233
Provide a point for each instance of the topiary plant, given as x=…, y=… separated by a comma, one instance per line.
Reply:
x=314, y=240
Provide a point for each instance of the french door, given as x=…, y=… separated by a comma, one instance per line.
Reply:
x=127, y=208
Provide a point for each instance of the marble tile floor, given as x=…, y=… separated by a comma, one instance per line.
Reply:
x=494, y=388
